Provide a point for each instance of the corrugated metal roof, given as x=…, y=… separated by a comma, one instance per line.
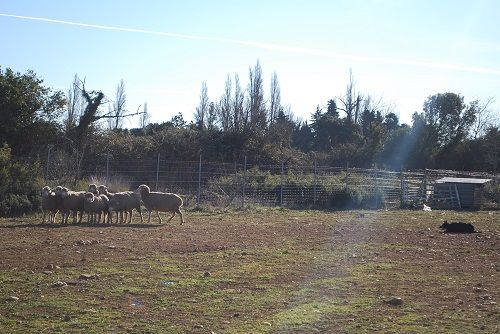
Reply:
x=462, y=180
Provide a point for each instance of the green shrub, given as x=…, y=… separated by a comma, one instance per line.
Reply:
x=20, y=185
x=14, y=205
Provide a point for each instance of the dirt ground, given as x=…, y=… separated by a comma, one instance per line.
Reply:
x=253, y=271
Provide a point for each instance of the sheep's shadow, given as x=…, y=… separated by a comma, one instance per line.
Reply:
x=89, y=225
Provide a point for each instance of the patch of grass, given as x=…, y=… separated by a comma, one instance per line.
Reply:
x=270, y=270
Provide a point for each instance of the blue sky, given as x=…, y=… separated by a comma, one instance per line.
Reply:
x=401, y=51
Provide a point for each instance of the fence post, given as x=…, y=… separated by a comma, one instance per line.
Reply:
x=157, y=171
x=401, y=189
x=107, y=168
x=198, y=198
x=244, y=183
x=281, y=182
x=48, y=163
x=376, y=188
x=425, y=186
x=347, y=177
x=314, y=185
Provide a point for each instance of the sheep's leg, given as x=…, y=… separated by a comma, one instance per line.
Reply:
x=81, y=216
x=110, y=216
x=99, y=217
x=140, y=213
x=169, y=219
x=130, y=217
x=159, y=217
x=149, y=216
x=180, y=214
x=43, y=218
x=121, y=217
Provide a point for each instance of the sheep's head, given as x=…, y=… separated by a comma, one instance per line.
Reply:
x=93, y=189
x=58, y=190
x=102, y=189
x=64, y=192
x=89, y=197
x=45, y=191
x=143, y=190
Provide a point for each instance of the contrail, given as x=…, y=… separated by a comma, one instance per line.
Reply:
x=272, y=46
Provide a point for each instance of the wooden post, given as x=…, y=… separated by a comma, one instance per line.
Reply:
x=48, y=163
x=243, y=186
x=347, y=177
x=314, y=185
x=157, y=172
x=376, y=188
x=401, y=188
x=198, y=199
x=107, y=168
x=281, y=185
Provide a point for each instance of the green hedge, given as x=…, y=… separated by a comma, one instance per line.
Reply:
x=20, y=185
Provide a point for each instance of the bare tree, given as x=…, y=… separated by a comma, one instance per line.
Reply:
x=256, y=103
x=351, y=101
x=225, y=110
x=275, y=101
x=74, y=105
x=211, y=117
x=145, y=116
x=202, y=109
x=239, y=119
x=118, y=109
x=485, y=117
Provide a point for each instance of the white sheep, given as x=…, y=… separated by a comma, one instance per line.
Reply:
x=103, y=190
x=51, y=204
x=72, y=201
x=93, y=189
x=159, y=201
x=96, y=206
x=124, y=201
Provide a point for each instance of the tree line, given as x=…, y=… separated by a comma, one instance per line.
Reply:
x=352, y=127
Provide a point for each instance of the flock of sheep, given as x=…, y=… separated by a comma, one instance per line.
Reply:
x=99, y=203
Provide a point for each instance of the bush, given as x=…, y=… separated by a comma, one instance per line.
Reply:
x=14, y=205
x=20, y=185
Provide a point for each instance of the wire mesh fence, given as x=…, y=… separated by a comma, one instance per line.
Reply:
x=240, y=184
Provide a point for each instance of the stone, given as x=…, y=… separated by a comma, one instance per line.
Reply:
x=59, y=284
x=13, y=299
x=89, y=276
